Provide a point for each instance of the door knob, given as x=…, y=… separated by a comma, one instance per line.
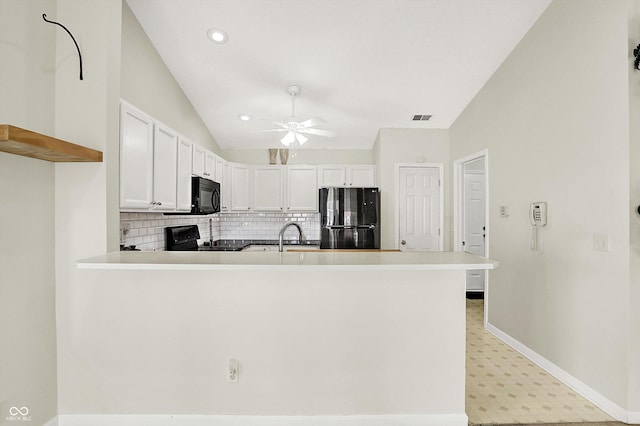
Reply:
x=403, y=242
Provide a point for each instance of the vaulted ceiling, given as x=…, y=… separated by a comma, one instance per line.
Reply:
x=362, y=65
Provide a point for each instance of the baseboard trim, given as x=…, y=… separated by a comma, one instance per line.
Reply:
x=52, y=422
x=590, y=394
x=204, y=420
x=634, y=417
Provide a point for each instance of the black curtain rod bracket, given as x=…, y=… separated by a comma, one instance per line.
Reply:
x=44, y=16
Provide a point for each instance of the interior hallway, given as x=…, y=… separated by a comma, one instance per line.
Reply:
x=504, y=387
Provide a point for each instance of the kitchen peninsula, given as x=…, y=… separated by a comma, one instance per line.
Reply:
x=334, y=338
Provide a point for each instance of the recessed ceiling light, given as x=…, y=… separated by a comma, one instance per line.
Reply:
x=244, y=117
x=217, y=35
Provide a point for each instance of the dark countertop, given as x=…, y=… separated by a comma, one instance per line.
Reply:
x=237, y=245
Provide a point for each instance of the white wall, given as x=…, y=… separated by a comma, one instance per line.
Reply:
x=634, y=223
x=303, y=156
x=27, y=274
x=159, y=341
x=408, y=146
x=149, y=85
x=554, y=119
x=86, y=196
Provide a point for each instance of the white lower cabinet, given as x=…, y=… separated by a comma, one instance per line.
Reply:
x=268, y=188
x=302, y=188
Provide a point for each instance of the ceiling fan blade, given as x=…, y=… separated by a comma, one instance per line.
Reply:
x=318, y=132
x=312, y=122
x=271, y=130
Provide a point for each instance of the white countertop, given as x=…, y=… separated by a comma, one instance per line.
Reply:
x=162, y=260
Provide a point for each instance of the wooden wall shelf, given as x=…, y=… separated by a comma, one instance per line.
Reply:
x=36, y=145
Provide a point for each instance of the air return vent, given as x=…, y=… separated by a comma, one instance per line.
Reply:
x=421, y=117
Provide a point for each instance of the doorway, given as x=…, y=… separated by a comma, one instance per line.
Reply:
x=471, y=224
x=419, y=207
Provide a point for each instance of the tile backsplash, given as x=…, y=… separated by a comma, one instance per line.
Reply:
x=146, y=230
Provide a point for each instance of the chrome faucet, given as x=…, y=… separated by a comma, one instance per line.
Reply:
x=301, y=240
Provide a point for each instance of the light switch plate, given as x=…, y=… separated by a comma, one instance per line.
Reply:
x=601, y=242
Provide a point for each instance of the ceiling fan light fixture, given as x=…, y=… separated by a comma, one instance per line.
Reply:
x=216, y=35
x=301, y=139
x=288, y=139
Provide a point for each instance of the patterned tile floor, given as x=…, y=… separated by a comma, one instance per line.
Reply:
x=504, y=387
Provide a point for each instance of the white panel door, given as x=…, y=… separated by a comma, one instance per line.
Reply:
x=165, y=164
x=183, y=196
x=474, y=224
x=419, y=209
x=136, y=158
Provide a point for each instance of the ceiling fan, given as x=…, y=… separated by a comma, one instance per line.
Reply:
x=296, y=129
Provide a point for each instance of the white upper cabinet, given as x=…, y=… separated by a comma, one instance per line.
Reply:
x=197, y=167
x=332, y=176
x=361, y=176
x=219, y=175
x=209, y=165
x=240, y=187
x=302, y=188
x=183, y=190
x=268, y=188
x=136, y=158
x=165, y=161
x=343, y=175
x=225, y=187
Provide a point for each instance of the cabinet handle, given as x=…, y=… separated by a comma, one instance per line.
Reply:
x=153, y=203
x=159, y=203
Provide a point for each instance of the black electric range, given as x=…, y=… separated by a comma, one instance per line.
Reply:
x=185, y=238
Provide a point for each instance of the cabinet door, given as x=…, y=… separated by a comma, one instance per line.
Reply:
x=302, y=188
x=165, y=163
x=197, y=167
x=225, y=197
x=240, y=187
x=219, y=176
x=183, y=195
x=136, y=158
x=331, y=176
x=209, y=165
x=268, y=188
x=361, y=176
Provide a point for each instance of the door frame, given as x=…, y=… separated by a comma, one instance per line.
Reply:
x=458, y=212
x=440, y=167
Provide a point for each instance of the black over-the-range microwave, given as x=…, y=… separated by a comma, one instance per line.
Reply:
x=205, y=197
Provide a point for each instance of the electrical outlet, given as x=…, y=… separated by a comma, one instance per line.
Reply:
x=233, y=371
x=601, y=242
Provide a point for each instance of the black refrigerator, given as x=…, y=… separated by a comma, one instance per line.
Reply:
x=349, y=218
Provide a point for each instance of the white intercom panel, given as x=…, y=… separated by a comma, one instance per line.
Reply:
x=538, y=219
x=538, y=213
